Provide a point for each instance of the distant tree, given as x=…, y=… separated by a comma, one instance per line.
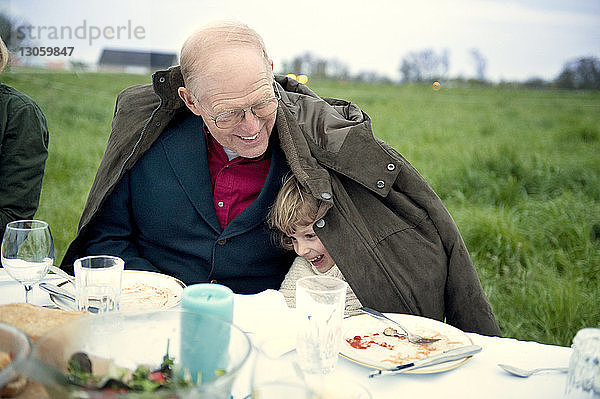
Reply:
x=371, y=77
x=8, y=33
x=480, y=64
x=535, y=83
x=425, y=65
x=337, y=69
x=582, y=73
x=316, y=67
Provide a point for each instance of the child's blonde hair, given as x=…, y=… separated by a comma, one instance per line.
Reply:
x=294, y=207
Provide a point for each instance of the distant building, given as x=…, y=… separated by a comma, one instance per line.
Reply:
x=135, y=61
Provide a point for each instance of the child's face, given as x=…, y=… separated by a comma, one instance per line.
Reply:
x=307, y=244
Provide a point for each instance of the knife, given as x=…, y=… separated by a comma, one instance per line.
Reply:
x=60, y=272
x=63, y=293
x=58, y=291
x=447, y=356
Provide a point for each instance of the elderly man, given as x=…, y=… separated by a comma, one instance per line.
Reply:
x=195, y=161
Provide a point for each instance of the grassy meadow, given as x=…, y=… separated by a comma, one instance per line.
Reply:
x=519, y=170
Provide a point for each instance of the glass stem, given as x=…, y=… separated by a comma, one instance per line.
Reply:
x=28, y=289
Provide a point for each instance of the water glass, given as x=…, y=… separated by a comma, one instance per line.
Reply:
x=336, y=387
x=583, y=380
x=320, y=308
x=278, y=390
x=98, y=282
x=275, y=377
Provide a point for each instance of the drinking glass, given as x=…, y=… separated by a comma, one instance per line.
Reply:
x=98, y=282
x=275, y=377
x=583, y=379
x=320, y=309
x=27, y=252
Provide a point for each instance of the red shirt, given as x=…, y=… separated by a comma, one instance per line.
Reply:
x=236, y=183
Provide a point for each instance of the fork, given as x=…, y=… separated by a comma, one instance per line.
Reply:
x=414, y=338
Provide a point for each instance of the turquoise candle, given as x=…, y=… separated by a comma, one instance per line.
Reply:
x=205, y=330
x=214, y=299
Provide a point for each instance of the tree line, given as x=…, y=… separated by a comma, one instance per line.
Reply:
x=423, y=66
x=426, y=66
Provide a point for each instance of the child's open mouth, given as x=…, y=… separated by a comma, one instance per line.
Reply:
x=316, y=260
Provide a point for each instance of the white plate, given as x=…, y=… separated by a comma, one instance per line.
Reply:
x=365, y=343
x=141, y=291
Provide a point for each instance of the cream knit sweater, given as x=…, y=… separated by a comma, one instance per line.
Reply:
x=303, y=268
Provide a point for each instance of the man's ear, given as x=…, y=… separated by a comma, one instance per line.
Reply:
x=188, y=100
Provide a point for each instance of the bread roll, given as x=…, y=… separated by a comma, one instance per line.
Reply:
x=34, y=320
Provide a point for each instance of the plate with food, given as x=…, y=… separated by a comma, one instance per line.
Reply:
x=380, y=344
x=140, y=291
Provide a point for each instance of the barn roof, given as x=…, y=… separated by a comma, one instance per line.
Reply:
x=149, y=59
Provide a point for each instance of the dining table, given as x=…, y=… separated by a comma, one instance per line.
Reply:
x=266, y=319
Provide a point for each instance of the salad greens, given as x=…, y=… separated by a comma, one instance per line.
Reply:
x=142, y=379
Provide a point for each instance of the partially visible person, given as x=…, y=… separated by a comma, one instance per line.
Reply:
x=293, y=214
x=23, y=151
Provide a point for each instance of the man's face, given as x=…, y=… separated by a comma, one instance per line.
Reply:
x=239, y=79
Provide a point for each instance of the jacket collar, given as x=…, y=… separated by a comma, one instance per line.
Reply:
x=165, y=84
x=322, y=134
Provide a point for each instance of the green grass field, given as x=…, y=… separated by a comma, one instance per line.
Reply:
x=519, y=171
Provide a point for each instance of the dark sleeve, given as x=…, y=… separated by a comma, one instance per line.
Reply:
x=466, y=304
x=23, y=153
x=113, y=230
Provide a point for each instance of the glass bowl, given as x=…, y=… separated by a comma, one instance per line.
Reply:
x=17, y=344
x=208, y=350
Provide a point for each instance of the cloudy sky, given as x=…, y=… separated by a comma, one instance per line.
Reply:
x=519, y=39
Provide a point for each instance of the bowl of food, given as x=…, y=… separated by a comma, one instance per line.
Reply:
x=14, y=350
x=163, y=354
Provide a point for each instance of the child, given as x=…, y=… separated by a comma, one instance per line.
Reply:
x=293, y=214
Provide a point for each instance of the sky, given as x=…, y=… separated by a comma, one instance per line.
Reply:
x=519, y=39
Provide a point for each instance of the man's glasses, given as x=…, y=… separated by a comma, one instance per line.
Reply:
x=232, y=118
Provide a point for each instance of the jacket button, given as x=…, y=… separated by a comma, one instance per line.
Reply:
x=213, y=281
x=380, y=184
x=162, y=79
x=320, y=223
x=391, y=166
x=157, y=123
x=222, y=242
x=325, y=196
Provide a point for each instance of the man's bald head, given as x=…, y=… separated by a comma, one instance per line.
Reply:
x=199, y=54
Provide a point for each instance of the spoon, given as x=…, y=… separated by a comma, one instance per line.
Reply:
x=526, y=373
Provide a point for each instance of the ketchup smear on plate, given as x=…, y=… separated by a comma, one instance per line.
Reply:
x=365, y=341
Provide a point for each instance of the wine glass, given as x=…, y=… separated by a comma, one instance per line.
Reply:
x=27, y=252
x=276, y=377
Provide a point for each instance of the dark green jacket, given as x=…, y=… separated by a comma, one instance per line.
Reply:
x=388, y=232
x=23, y=153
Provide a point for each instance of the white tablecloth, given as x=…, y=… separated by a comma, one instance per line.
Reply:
x=266, y=318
